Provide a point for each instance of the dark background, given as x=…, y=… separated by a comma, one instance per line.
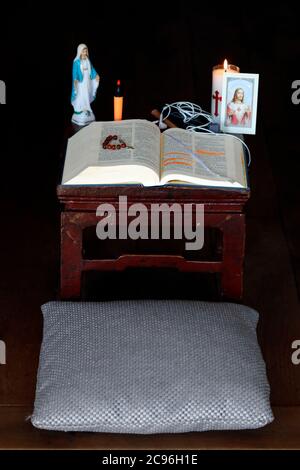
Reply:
x=161, y=54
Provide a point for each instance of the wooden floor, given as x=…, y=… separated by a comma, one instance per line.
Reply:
x=30, y=236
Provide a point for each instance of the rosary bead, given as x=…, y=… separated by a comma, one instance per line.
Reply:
x=120, y=144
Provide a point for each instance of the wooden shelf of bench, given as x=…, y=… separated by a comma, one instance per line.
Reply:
x=223, y=209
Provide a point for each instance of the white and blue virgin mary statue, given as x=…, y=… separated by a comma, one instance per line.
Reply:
x=85, y=82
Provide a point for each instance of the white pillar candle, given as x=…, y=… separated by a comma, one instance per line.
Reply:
x=217, y=92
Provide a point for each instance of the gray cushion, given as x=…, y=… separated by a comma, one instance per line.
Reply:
x=150, y=367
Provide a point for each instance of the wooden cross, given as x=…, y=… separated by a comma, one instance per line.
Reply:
x=217, y=98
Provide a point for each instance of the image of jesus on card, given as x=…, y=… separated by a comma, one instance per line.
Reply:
x=238, y=112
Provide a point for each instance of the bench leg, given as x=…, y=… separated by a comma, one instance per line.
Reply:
x=71, y=257
x=233, y=256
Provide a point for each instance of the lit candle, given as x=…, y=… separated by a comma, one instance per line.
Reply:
x=217, y=92
x=118, y=102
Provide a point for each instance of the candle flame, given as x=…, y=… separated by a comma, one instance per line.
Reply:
x=225, y=65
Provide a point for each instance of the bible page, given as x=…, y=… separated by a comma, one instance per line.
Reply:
x=199, y=158
x=136, y=161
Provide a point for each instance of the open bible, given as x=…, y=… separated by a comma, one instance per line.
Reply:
x=136, y=152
